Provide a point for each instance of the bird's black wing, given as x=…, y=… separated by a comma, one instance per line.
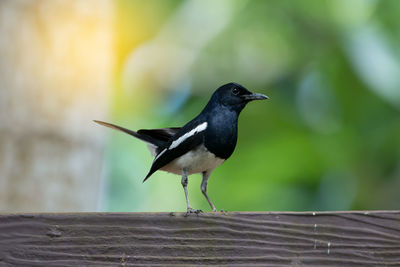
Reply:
x=188, y=138
x=163, y=134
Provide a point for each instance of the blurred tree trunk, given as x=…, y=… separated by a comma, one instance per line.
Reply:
x=55, y=73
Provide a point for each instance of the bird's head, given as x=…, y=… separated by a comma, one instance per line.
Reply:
x=235, y=96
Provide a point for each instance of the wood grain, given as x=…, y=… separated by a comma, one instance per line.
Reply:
x=217, y=239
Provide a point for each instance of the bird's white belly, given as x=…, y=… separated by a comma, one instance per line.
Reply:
x=195, y=161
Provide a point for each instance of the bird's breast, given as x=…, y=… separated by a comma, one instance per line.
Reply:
x=195, y=161
x=221, y=136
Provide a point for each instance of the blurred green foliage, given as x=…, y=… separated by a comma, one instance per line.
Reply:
x=328, y=138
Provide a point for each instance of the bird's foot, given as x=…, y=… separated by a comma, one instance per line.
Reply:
x=191, y=210
x=223, y=211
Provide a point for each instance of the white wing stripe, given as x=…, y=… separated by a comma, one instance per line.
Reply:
x=159, y=155
x=181, y=139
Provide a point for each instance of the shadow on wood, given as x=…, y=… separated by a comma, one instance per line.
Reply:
x=370, y=238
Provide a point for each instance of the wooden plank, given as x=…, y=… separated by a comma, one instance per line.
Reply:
x=218, y=239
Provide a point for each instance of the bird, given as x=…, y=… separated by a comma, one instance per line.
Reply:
x=200, y=145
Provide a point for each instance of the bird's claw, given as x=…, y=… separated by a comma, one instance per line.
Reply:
x=190, y=210
x=224, y=211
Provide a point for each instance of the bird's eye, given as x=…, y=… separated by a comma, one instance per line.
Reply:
x=235, y=90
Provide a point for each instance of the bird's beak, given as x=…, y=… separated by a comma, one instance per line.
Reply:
x=255, y=96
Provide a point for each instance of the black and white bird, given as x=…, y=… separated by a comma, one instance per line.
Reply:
x=203, y=143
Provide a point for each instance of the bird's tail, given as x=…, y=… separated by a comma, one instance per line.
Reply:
x=143, y=137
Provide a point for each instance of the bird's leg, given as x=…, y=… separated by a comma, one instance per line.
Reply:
x=184, y=184
x=204, y=183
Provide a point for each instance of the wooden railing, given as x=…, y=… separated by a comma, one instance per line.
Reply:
x=367, y=238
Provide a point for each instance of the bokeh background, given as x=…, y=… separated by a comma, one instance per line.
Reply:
x=328, y=138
